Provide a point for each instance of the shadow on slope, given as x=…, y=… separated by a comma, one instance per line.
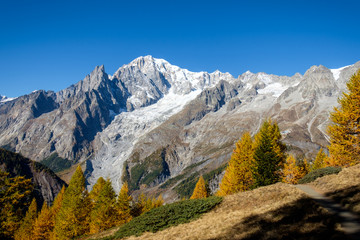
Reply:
x=348, y=197
x=301, y=219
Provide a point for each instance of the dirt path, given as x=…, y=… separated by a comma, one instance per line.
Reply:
x=350, y=223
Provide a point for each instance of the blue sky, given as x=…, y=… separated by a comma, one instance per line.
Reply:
x=53, y=44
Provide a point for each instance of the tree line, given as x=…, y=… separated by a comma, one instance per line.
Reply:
x=74, y=212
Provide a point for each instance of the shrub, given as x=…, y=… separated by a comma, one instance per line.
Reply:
x=312, y=176
x=166, y=216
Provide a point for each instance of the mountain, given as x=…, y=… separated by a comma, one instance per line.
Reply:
x=158, y=126
x=46, y=184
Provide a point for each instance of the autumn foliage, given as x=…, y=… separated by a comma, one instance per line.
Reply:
x=238, y=175
x=345, y=131
x=200, y=190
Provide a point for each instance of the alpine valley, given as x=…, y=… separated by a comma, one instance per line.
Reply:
x=159, y=127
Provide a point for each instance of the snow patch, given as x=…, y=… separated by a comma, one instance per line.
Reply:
x=336, y=72
x=275, y=89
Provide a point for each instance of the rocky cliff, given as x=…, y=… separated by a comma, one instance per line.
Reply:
x=155, y=125
x=46, y=184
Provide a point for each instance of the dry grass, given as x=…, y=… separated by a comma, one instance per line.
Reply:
x=343, y=187
x=348, y=177
x=279, y=211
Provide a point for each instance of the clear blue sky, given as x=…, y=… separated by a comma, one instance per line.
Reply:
x=53, y=44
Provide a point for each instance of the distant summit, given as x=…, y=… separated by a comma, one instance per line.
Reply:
x=151, y=121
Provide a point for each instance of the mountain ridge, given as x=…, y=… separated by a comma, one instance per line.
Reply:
x=105, y=120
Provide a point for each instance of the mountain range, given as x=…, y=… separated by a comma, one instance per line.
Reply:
x=158, y=126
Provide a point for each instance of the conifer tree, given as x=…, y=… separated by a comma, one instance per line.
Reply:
x=320, y=160
x=73, y=217
x=157, y=202
x=25, y=231
x=145, y=204
x=96, y=189
x=55, y=208
x=14, y=200
x=200, y=190
x=238, y=174
x=269, y=155
x=43, y=225
x=104, y=214
x=345, y=131
x=123, y=205
x=292, y=172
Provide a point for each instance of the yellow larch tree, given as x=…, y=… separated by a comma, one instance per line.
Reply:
x=345, y=131
x=320, y=160
x=200, y=190
x=54, y=211
x=123, y=205
x=292, y=172
x=25, y=231
x=43, y=224
x=73, y=217
x=104, y=215
x=238, y=174
x=15, y=196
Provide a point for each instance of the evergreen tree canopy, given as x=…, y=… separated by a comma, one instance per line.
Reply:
x=238, y=174
x=269, y=155
x=345, y=131
x=200, y=190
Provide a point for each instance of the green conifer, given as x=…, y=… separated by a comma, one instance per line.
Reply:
x=269, y=155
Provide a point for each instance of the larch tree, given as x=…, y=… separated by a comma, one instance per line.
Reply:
x=15, y=196
x=54, y=210
x=95, y=191
x=200, y=190
x=123, y=205
x=72, y=219
x=104, y=215
x=43, y=225
x=292, y=172
x=345, y=131
x=269, y=155
x=238, y=174
x=320, y=160
x=25, y=231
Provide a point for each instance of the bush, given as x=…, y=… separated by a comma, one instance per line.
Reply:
x=319, y=173
x=166, y=216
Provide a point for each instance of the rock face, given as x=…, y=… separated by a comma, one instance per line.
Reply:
x=154, y=124
x=46, y=184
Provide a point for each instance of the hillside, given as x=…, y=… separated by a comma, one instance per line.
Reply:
x=46, y=183
x=278, y=211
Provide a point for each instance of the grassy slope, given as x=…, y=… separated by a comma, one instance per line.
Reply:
x=343, y=187
x=279, y=211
